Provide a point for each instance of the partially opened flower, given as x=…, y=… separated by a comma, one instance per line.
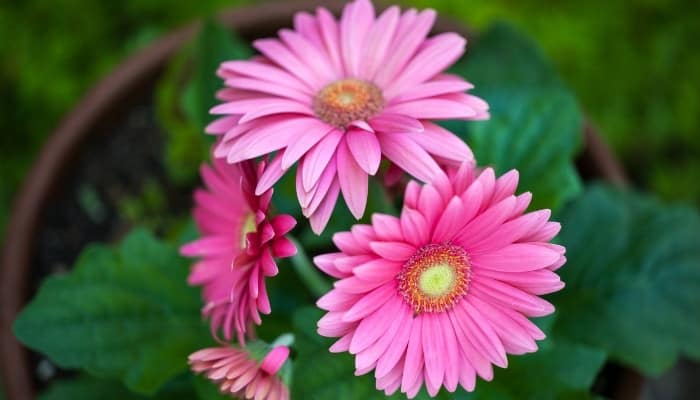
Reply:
x=338, y=95
x=440, y=294
x=239, y=241
x=242, y=376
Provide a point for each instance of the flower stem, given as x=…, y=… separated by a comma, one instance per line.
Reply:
x=313, y=280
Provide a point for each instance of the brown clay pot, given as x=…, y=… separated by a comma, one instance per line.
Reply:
x=101, y=105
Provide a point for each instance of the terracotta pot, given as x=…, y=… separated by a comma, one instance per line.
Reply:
x=100, y=105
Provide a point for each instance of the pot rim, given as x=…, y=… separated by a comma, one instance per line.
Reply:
x=63, y=144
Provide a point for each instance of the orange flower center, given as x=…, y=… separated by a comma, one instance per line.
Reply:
x=435, y=277
x=348, y=100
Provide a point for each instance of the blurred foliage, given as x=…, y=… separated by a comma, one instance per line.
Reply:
x=633, y=262
x=535, y=124
x=633, y=66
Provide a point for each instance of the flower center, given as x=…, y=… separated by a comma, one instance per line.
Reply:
x=249, y=226
x=347, y=100
x=435, y=277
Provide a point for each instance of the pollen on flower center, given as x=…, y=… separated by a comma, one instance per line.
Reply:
x=248, y=226
x=347, y=100
x=435, y=277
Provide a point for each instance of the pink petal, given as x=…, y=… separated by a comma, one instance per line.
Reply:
x=369, y=303
x=320, y=218
x=325, y=262
x=388, y=361
x=409, y=156
x=395, y=123
x=414, y=227
x=508, y=296
x=365, y=148
x=431, y=88
x=387, y=227
x=450, y=222
x=305, y=50
x=329, y=30
x=316, y=160
x=266, y=72
x=378, y=270
x=436, y=54
x=268, y=88
x=266, y=139
x=433, y=353
x=372, y=327
x=378, y=40
x=433, y=108
x=517, y=257
x=280, y=54
x=413, y=365
x=485, y=223
x=393, y=251
x=277, y=107
x=443, y=143
x=411, y=33
x=354, y=25
x=273, y=172
x=353, y=181
x=305, y=24
x=316, y=131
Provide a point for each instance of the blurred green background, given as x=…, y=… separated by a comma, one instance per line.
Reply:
x=633, y=65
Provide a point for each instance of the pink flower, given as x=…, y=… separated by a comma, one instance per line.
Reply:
x=338, y=95
x=239, y=242
x=238, y=373
x=441, y=293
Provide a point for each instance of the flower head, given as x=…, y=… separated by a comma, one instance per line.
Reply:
x=441, y=293
x=239, y=241
x=237, y=372
x=337, y=96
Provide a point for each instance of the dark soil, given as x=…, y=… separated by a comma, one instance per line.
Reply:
x=115, y=164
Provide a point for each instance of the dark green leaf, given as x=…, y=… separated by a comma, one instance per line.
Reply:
x=633, y=278
x=559, y=370
x=535, y=123
x=86, y=388
x=214, y=45
x=321, y=375
x=123, y=313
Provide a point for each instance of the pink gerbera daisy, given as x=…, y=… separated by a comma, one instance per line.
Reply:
x=441, y=293
x=338, y=95
x=238, y=373
x=238, y=244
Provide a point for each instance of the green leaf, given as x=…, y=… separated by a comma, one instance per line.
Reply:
x=321, y=375
x=214, y=45
x=535, y=123
x=86, y=388
x=123, y=313
x=632, y=278
x=559, y=370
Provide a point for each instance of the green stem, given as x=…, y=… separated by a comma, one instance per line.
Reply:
x=306, y=271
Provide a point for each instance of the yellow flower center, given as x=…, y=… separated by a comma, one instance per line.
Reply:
x=436, y=280
x=249, y=226
x=347, y=100
x=435, y=277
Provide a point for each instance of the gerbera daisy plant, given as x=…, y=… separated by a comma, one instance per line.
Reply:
x=443, y=273
x=338, y=96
